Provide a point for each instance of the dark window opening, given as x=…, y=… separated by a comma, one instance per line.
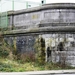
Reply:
x=48, y=52
x=60, y=46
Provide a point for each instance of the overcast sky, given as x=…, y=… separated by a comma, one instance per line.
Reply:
x=55, y=1
x=6, y=5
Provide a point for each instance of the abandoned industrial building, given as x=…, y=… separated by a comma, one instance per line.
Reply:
x=55, y=23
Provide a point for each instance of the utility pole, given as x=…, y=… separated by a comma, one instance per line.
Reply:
x=12, y=15
x=26, y=4
x=12, y=4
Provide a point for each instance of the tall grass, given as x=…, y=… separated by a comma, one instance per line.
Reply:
x=14, y=65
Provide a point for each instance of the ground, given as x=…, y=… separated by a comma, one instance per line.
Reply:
x=7, y=65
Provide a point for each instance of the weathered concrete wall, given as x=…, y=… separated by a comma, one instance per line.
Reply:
x=22, y=44
x=67, y=55
x=25, y=44
x=49, y=16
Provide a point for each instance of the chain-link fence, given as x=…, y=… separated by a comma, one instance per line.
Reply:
x=10, y=5
x=3, y=20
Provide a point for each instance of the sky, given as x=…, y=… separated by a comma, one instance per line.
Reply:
x=56, y=1
x=7, y=5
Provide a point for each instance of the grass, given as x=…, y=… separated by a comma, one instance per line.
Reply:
x=12, y=65
x=7, y=65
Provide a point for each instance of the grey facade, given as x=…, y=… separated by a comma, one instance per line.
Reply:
x=47, y=17
x=50, y=15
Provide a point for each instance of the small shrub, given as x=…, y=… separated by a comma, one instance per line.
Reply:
x=52, y=66
x=3, y=53
x=5, y=67
x=26, y=57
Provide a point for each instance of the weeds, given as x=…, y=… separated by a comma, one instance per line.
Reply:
x=7, y=65
x=26, y=64
x=3, y=53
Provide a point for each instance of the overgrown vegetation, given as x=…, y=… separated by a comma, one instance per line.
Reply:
x=17, y=65
x=7, y=65
x=10, y=63
x=40, y=50
x=3, y=53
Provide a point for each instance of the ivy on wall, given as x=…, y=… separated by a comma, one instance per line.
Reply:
x=40, y=50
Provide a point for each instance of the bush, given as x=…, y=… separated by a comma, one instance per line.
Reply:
x=3, y=53
x=27, y=57
x=5, y=67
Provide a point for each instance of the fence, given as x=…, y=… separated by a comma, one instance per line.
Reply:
x=9, y=5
